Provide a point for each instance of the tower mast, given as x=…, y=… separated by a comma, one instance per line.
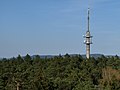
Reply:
x=88, y=18
x=88, y=37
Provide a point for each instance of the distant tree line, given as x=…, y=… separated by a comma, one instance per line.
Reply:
x=60, y=73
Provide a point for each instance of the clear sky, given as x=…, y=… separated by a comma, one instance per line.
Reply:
x=57, y=27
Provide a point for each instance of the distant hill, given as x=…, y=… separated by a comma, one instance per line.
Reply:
x=44, y=56
x=84, y=56
x=93, y=55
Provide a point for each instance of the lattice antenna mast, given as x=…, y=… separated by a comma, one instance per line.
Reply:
x=88, y=19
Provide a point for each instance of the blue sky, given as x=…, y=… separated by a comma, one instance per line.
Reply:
x=57, y=26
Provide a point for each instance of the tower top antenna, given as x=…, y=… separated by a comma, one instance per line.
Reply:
x=88, y=19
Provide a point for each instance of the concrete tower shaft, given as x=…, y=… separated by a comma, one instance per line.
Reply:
x=87, y=51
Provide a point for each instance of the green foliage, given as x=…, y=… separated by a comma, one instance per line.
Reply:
x=59, y=73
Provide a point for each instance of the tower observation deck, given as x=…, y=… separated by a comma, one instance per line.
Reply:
x=88, y=38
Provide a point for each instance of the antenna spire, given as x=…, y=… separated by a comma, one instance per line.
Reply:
x=88, y=19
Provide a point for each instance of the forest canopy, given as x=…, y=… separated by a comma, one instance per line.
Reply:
x=60, y=73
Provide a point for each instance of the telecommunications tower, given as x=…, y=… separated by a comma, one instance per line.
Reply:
x=88, y=37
